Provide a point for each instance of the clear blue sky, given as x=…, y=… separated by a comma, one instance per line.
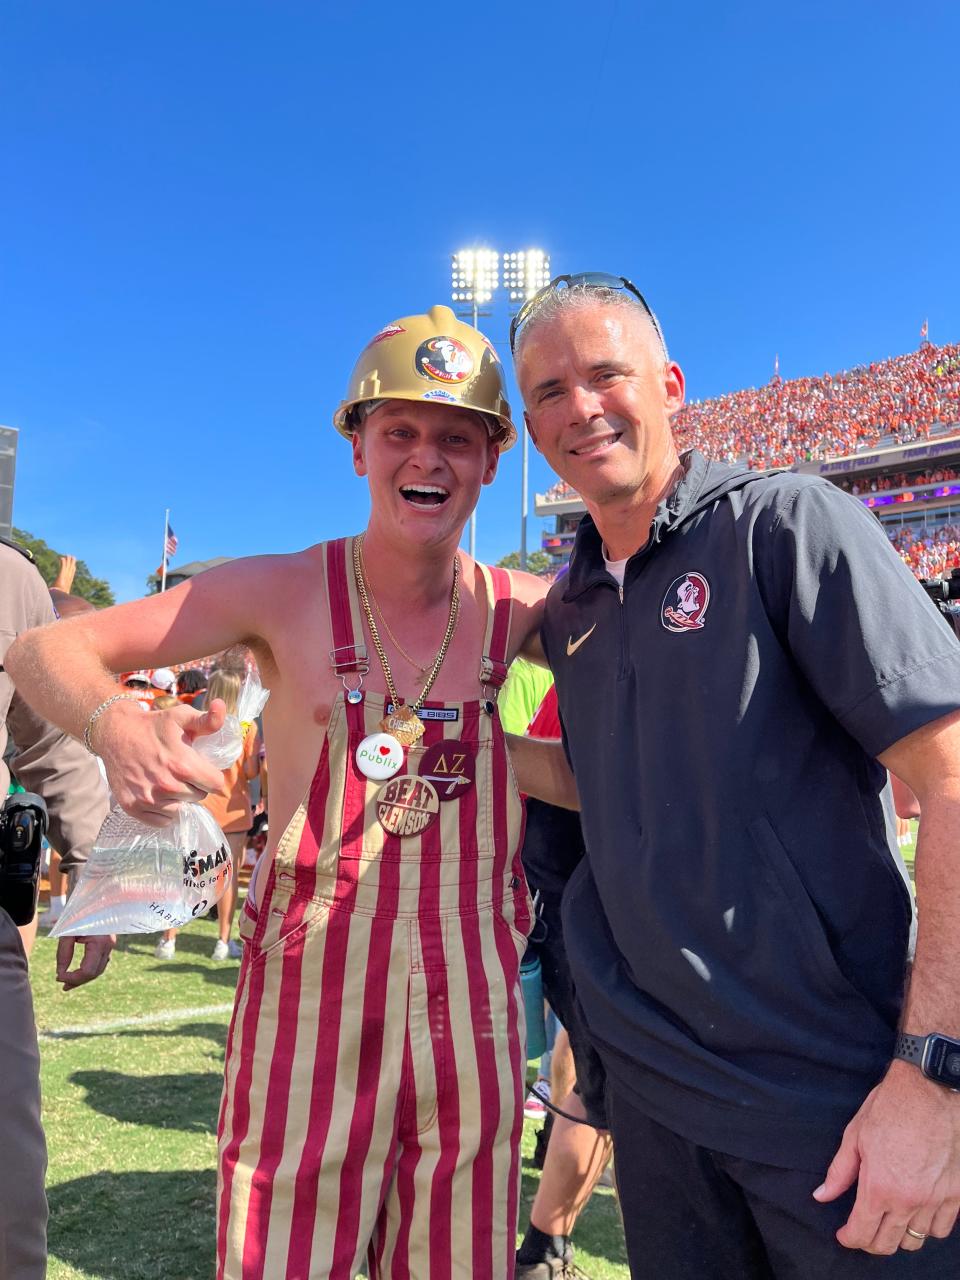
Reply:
x=208, y=208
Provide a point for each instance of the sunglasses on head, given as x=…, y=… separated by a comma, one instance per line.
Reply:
x=583, y=280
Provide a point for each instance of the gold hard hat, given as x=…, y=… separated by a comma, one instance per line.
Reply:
x=436, y=358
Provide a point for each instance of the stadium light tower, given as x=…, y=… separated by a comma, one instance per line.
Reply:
x=524, y=274
x=474, y=277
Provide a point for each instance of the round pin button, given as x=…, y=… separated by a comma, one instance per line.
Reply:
x=407, y=805
x=379, y=756
x=451, y=766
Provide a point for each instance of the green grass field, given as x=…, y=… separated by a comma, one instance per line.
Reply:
x=130, y=1114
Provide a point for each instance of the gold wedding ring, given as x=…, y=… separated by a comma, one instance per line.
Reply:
x=917, y=1235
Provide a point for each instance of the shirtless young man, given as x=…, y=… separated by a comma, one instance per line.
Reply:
x=373, y=1092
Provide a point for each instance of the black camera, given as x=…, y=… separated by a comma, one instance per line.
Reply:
x=945, y=594
x=23, y=823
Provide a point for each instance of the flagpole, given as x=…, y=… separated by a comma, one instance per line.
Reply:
x=166, y=530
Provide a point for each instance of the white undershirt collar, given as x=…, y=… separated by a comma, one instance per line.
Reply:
x=615, y=568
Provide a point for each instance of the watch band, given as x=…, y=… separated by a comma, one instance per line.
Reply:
x=910, y=1048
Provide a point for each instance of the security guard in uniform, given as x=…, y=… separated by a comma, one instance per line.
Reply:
x=59, y=770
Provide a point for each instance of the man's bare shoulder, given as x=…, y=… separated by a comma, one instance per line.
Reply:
x=527, y=587
x=529, y=593
x=276, y=589
x=273, y=573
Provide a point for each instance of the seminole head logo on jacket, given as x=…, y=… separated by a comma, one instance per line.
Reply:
x=685, y=604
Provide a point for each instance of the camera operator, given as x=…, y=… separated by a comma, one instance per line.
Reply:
x=59, y=770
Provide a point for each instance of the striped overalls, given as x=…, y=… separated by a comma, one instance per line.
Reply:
x=373, y=1095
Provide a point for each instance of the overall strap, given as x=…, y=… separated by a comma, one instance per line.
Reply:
x=493, y=664
x=349, y=652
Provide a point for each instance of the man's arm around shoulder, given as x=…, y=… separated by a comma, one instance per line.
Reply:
x=529, y=593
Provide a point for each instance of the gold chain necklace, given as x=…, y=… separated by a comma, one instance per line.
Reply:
x=421, y=670
x=403, y=722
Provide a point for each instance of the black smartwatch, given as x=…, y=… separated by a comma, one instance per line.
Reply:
x=937, y=1056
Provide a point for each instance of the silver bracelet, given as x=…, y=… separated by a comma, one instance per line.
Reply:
x=117, y=697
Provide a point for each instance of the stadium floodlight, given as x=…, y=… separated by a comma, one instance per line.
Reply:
x=524, y=274
x=474, y=277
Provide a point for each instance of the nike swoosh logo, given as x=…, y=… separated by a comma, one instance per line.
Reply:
x=574, y=645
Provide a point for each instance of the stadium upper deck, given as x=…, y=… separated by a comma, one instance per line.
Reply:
x=888, y=432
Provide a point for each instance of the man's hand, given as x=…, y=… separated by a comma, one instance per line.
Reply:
x=65, y=574
x=96, y=957
x=902, y=1148
x=151, y=765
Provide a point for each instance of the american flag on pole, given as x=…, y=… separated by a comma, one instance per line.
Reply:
x=170, y=547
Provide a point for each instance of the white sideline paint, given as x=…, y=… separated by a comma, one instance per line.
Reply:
x=142, y=1020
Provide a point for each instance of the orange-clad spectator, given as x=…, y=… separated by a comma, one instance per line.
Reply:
x=231, y=805
x=139, y=682
x=786, y=422
x=163, y=680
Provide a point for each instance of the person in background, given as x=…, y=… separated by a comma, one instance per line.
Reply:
x=164, y=681
x=57, y=768
x=66, y=606
x=165, y=700
x=191, y=685
x=138, y=682
x=231, y=808
x=578, y=1146
x=63, y=582
x=256, y=840
x=526, y=686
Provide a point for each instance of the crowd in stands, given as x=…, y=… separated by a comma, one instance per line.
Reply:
x=784, y=423
x=893, y=401
x=929, y=555
x=901, y=480
x=560, y=490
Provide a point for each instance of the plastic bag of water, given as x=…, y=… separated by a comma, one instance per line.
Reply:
x=141, y=879
x=223, y=748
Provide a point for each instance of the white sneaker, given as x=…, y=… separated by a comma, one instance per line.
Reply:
x=166, y=949
x=533, y=1107
x=234, y=949
x=221, y=951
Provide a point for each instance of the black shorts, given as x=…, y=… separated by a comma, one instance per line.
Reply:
x=690, y=1213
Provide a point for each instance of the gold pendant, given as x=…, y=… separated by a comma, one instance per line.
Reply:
x=405, y=725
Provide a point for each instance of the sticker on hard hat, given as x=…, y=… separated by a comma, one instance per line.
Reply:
x=388, y=331
x=446, y=396
x=444, y=360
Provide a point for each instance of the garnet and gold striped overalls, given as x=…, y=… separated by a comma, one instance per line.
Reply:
x=373, y=1096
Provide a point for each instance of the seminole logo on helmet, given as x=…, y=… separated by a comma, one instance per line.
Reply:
x=685, y=604
x=444, y=360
